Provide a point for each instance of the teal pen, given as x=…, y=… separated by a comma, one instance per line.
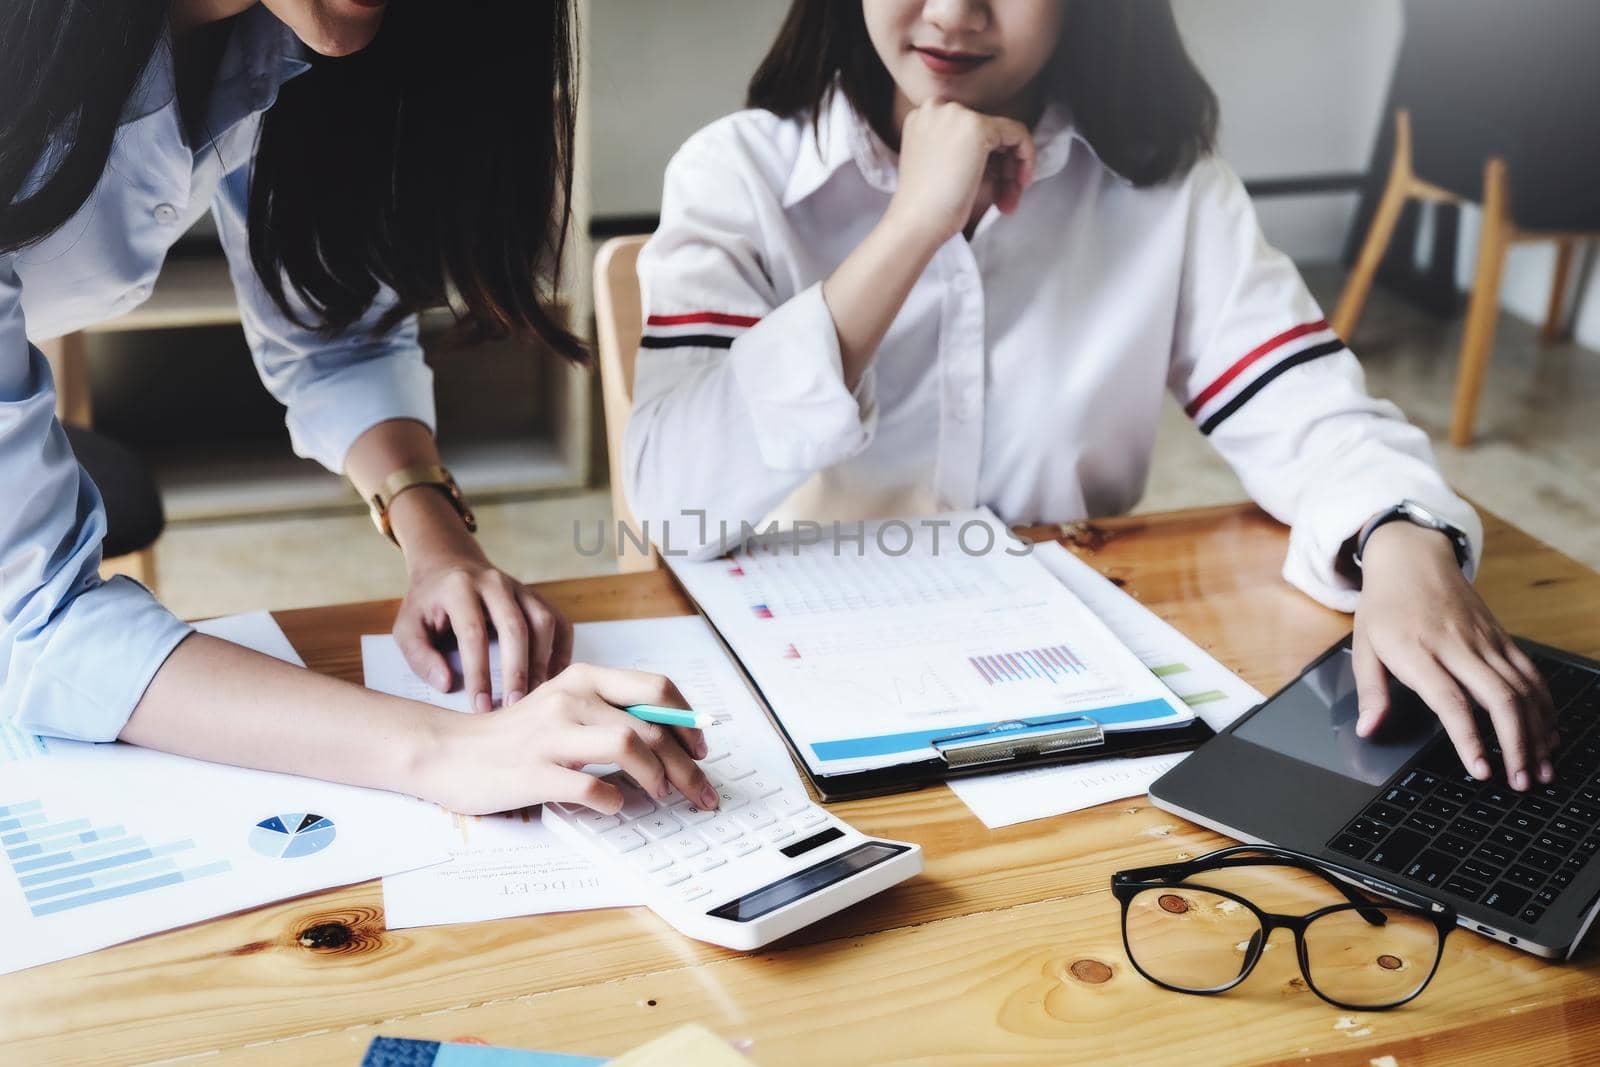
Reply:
x=669, y=716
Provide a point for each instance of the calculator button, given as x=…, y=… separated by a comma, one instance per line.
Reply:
x=755, y=818
x=593, y=821
x=694, y=892
x=733, y=769
x=622, y=840
x=761, y=786
x=731, y=797
x=636, y=803
x=715, y=755
x=788, y=803
x=720, y=831
x=814, y=817
x=744, y=847
x=652, y=859
x=658, y=827
x=778, y=833
x=693, y=813
x=685, y=845
x=672, y=876
x=709, y=862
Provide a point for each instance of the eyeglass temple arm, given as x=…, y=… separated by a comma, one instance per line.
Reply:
x=1231, y=857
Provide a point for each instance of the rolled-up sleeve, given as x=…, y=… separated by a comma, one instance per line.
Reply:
x=76, y=653
x=1277, y=392
x=334, y=388
x=739, y=391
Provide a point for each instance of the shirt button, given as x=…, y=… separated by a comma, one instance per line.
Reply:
x=967, y=407
x=165, y=214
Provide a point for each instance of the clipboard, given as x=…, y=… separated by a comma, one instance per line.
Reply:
x=1009, y=745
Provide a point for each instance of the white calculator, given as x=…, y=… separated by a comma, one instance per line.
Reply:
x=764, y=864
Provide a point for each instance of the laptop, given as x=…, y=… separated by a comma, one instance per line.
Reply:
x=1399, y=808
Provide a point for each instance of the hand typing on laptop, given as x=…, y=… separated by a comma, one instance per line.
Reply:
x=1421, y=619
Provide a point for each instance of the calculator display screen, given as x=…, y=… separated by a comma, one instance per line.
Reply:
x=791, y=888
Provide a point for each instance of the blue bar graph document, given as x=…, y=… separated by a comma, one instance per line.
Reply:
x=102, y=843
x=872, y=650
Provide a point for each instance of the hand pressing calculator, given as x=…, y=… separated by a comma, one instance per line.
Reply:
x=764, y=864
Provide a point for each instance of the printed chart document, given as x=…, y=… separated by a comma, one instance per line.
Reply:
x=870, y=651
x=1215, y=693
x=103, y=843
x=505, y=865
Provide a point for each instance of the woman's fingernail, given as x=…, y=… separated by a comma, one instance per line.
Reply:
x=1547, y=772
x=1480, y=768
x=702, y=750
x=481, y=702
x=1520, y=780
x=708, y=798
x=514, y=696
x=440, y=679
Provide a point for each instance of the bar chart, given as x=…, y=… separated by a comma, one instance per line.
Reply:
x=61, y=864
x=1048, y=664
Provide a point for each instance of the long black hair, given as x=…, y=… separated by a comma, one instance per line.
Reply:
x=437, y=161
x=1120, y=68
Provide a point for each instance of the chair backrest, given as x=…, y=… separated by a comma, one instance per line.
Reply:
x=619, y=323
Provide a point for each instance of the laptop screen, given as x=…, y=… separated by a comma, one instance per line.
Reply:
x=1314, y=721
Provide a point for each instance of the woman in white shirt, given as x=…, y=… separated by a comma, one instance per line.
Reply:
x=955, y=254
x=362, y=164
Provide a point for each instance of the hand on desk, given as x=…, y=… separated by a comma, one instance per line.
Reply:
x=1421, y=619
x=532, y=752
x=460, y=592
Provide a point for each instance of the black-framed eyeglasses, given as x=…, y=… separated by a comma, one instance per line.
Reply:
x=1368, y=954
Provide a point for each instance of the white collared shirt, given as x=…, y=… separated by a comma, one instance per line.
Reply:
x=1025, y=371
x=76, y=653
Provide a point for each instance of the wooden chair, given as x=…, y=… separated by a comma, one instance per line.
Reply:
x=619, y=323
x=1499, y=233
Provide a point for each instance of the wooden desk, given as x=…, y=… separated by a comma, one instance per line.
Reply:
x=1006, y=950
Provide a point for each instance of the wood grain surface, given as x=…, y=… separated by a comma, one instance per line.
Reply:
x=1005, y=951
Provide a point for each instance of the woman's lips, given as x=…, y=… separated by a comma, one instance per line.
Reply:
x=947, y=63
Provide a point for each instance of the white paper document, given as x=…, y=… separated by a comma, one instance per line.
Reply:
x=1215, y=693
x=102, y=843
x=1040, y=792
x=508, y=865
x=872, y=651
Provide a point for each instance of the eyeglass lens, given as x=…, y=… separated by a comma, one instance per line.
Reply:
x=1196, y=940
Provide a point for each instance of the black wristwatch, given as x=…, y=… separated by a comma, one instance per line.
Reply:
x=1413, y=512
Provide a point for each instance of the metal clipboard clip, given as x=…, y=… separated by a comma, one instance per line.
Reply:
x=1015, y=739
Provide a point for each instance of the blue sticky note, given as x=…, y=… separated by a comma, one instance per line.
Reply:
x=404, y=1052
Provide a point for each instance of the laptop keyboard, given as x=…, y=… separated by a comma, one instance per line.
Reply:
x=1483, y=842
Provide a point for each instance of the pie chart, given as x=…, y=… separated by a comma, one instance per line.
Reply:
x=294, y=834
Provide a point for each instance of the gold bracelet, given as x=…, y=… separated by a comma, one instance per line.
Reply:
x=433, y=476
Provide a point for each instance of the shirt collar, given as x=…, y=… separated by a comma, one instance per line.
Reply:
x=843, y=135
x=261, y=54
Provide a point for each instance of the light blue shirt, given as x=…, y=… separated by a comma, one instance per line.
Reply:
x=77, y=653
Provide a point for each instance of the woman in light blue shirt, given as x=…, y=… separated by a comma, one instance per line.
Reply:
x=362, y=164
